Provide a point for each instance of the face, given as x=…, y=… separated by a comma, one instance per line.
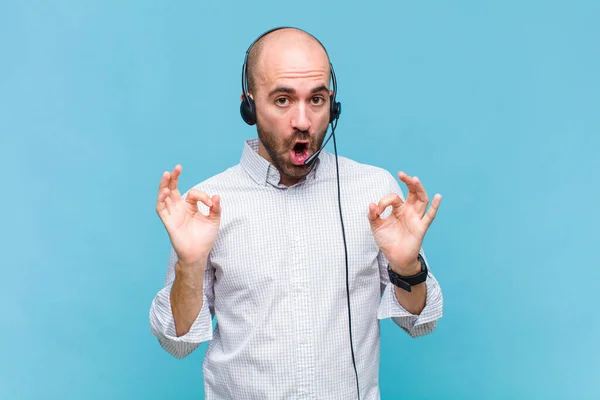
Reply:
x=292, y=105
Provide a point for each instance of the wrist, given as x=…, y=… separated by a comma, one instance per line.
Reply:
x=190, y=266
x=408, y=269
x=191, y=261
x=408, y=278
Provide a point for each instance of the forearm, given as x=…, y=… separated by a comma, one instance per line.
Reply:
x=417, y=311
x=186, y=295
x=413, y=301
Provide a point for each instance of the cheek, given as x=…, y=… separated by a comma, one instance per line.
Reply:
x=278, y=123
x=273, y=117
x=320, y=120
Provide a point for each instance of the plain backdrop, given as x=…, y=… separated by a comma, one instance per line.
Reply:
x=495, y=105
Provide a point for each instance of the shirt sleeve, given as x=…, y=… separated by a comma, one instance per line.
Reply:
x=162, y=324
x=414, y=325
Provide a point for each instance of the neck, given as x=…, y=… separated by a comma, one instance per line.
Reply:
x=283, y=178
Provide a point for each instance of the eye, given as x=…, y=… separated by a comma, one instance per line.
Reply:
x=282, y=101
x=317, y=100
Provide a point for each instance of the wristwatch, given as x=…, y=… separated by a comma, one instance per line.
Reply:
x=407, y=282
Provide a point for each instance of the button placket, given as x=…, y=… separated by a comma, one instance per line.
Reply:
x=305, y=365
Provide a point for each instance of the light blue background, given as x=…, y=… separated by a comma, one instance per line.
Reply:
x=495, y=105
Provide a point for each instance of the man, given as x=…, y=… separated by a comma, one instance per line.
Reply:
x=266, y=254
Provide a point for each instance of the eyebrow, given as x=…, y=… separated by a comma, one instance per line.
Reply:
x=289, y=90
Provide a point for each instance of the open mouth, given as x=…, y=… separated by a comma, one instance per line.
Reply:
x=300, y=152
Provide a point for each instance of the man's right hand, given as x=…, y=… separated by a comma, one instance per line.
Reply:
x=192, y=233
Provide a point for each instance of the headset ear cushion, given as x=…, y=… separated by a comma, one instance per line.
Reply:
x=247, y=111
x=335, y=111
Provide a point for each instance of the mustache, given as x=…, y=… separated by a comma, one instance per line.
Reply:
x=299, y=135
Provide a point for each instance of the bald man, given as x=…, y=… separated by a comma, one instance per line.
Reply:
x=297, y=296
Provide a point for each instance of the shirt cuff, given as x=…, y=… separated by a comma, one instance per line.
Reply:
x=200, y=331
x=391, y=308
x=163, y=323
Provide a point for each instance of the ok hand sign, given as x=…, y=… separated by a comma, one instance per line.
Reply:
x=192, y=233
x=400, y=235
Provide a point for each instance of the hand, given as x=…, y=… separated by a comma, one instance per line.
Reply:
x=192, y=233
x=400, y=235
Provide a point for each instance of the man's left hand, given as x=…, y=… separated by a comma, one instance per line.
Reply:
x=400, y=235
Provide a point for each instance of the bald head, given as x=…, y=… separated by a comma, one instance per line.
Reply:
x=294, y=45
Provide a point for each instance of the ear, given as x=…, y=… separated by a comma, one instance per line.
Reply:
x=242, y=96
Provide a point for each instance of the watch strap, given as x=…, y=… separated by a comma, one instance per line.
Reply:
x=407, y=282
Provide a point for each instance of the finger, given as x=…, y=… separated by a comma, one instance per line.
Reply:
x=194, y=196
x=433, y=209
x=416, y=190
x=174, y=181
x=162, y=190
x=169, y=203
x=404, y=177
x=420, y=190
x=215, y=211
x=164, y=181
x=173, y=184
x=391, y=199
x=409, y=185
x=373, y=216
x=161, y=206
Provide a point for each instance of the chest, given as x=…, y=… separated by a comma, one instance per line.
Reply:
x=270, y=237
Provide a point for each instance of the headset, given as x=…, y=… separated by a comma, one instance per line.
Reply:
x=248, y=112
x=248, y=109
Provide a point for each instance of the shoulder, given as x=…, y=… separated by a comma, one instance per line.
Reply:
x=351, y=168
x=232, y=177
x=368, y=169
x=357, y=177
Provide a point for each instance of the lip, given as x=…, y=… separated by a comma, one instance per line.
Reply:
x=306, y=144
x=299, y=159
x=301, y=141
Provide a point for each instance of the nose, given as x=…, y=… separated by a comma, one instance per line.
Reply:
x=301, y=120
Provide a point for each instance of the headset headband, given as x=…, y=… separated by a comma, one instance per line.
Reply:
x=247, y=108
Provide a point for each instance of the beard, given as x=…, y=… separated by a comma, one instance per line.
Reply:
x=279, y=152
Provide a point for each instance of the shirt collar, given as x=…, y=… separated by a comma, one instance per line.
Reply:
x=263, y=172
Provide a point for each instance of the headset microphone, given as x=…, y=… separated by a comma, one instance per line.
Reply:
x=310, y=159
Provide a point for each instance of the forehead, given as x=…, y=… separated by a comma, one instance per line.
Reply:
x=293, y=62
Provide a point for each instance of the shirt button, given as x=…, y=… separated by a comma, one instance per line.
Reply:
x=303, y=340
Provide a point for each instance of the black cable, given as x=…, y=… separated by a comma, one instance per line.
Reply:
x=337, y=168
